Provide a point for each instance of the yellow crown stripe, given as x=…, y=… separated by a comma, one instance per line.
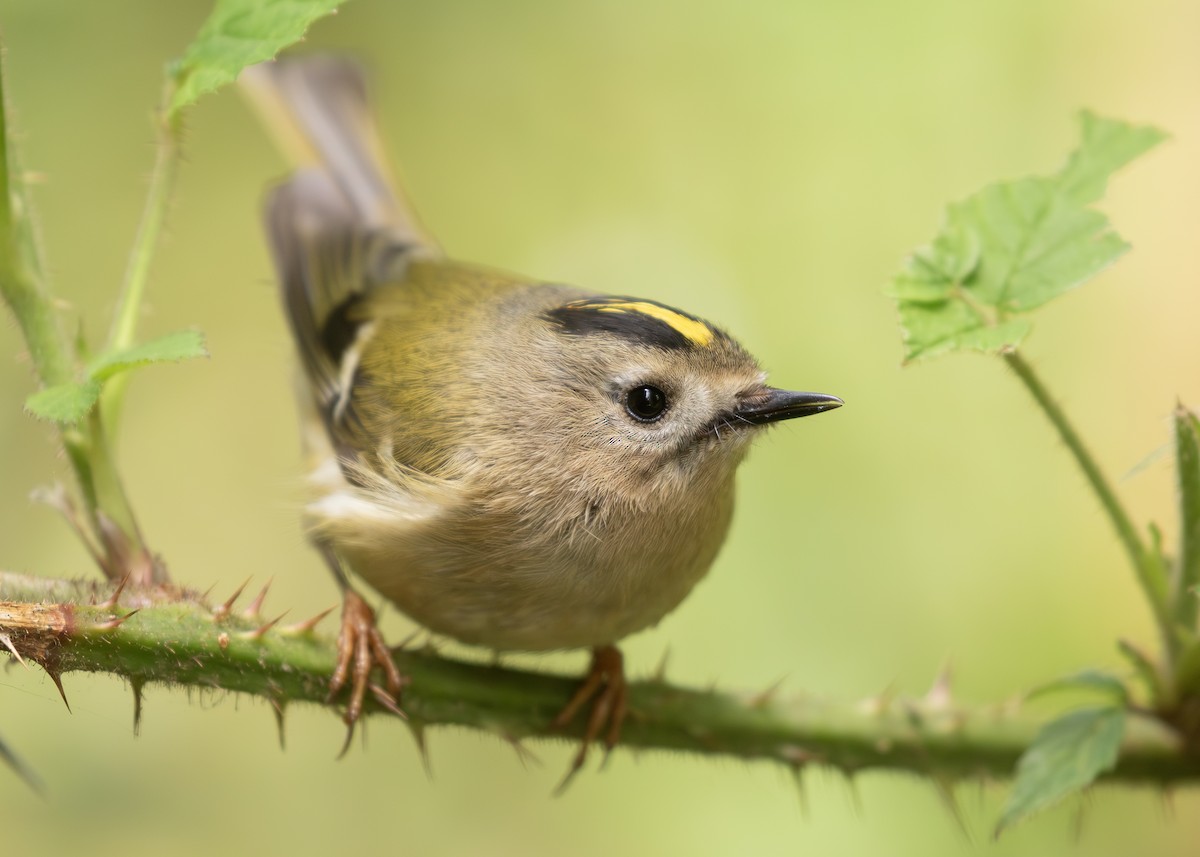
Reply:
x=696, y=332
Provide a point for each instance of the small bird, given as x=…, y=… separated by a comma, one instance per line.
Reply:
x=515, y=464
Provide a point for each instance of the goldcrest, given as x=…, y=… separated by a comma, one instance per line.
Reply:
x=514, y=464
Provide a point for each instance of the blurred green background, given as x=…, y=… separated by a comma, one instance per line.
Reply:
x=766, y=164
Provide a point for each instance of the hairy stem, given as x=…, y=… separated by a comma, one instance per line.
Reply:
x=22, y=282
x=176, y=639
x=1150, y=575
x=137, y=272
x=24, y=287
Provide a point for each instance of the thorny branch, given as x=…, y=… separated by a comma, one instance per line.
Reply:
x=168, y=636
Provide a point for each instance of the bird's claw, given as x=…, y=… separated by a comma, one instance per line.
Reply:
x=360, y=649
x=606, y=687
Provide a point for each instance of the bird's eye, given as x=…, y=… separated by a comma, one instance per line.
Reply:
x=646, y=403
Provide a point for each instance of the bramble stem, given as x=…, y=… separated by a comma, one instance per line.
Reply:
x=23, y=286
x=175, y=639
x=137, y=272
x=22, y=282
x=1150, y=574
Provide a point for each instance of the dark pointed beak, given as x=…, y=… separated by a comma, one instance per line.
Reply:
x=772, y=405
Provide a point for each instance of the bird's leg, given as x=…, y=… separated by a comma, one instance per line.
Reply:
x=606, y=687
x=360, y=648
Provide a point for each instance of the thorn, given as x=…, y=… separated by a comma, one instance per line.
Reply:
x=660, y=671
x=524, y=755
x=766, y=696
x=258, y=632
x=137, y=684
x=855, y=794
x=416, y=728
x=254, y=609
x=307, y=626
x=797, y=772
x=222, y=610
x=278, y=706
x=940, y=695
x=877, y=705
x=115, y=622
x=56, y=677
x=111, y=602
x=945, y=790
x=8, y=644
x=20, y=769
x=387, y=701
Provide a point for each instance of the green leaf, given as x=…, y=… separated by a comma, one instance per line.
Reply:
x=1066, y=756
x=1013, y=246
x=1098, y=681
x=1187, y=467
x=1107, y=146
x=64, y=403
x=180, y=345
x=936, y=328
x=237, y=34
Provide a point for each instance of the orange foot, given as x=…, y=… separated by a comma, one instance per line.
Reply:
x=606, y=682
x=360, y=649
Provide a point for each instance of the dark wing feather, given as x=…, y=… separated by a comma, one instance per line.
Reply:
x=337, y=227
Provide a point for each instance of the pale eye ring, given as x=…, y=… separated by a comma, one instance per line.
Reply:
x=646, y=403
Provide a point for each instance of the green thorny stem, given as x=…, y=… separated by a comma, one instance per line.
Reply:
x=108, y=525
x=137, y=272
x=174, y=638
x=1146, y=563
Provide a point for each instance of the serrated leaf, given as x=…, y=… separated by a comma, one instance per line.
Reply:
x=1108, y=145
x=1090, y=680
x=1013, y=246
x=1036, y=244
x=952, y=325
x=64, y=403
x=1187, y=470
x=237, y=34
x=180, y=345
x=1066, y=756
x=934, y=272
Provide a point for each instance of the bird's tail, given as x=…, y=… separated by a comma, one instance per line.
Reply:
x=317, y=109
x=339, y=224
